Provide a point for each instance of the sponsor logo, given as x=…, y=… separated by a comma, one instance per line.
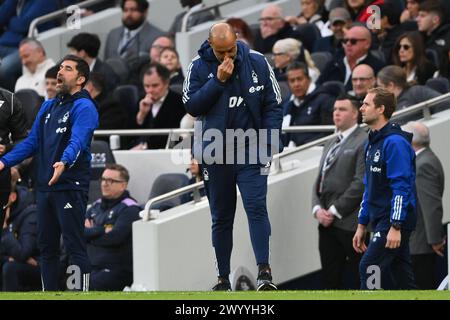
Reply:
x=68, y=206
x=375, y=169
x=256, y=89
x=235, y=102
x=61, y=130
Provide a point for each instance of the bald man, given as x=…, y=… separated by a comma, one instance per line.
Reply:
x=363, y=79
x=427, y=241
x=272, y=27
x=232, y=89
x=357, y=41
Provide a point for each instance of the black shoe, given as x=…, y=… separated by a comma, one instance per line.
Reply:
x=222, y=285
x=264, y=281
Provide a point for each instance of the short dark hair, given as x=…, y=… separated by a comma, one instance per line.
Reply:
x=297, y=65
x=118, y=167
x=433, y=6
x=88, y=42
x=356, y=104
x=386, y=99
x=82, y=67
x=97, y=80
x=52, y=72
x=142, y=4
x=160, y=70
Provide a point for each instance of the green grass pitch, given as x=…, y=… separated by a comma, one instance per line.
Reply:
x=240, y=295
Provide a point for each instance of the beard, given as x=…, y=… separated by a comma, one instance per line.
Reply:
x=133, y=24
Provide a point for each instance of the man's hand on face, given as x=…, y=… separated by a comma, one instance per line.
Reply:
x=225, y=69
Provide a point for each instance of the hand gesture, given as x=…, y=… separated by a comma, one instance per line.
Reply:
x=59, y=169
x=358, y=239
x=225, y=69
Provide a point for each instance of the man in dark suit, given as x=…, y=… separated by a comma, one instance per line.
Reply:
x=356, y=42
x=160, y=108
x=192, y=20
x=337, y=194
x=427, y=240
x=135, y=37
x=86, y=46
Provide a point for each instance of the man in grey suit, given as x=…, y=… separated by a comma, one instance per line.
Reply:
x=135, y=37
x=337, y=194
x=427, y=240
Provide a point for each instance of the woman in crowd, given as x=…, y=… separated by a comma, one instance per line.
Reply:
x=171, y=60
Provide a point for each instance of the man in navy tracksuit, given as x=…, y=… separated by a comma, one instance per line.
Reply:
x=230, y=88
x=389, y=200
x=59, y=140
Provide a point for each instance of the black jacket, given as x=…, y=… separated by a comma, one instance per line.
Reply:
x=12, y=119
x=439, y=41
x=265, y=45
x=169, y=116
x=113, y=249
x=19, y=239
x=315, y=109
x=110, y=77
x=335, y=69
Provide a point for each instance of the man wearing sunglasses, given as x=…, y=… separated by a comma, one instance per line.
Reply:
x=356, y=43
x=108, y=231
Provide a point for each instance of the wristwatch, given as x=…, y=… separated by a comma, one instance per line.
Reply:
x=396, y=225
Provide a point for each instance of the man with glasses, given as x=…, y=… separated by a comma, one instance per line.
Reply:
x=356, y=42
x=272, y=27
x=108, y=231
x=363, y=79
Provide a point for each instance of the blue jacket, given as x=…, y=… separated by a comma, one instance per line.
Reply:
x=209, y=99
x=390, y=191
x=112, y=249
x=62, y=131
x=16, y=25
x=19, y=239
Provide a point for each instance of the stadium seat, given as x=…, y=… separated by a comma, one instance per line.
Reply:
x=285, y=91
x=120, y=68
x=334, y=88
x=321, y=59
x=440, y=84
x=433, y=56
x=31, y=102
x=166, y=183
x=128, y=97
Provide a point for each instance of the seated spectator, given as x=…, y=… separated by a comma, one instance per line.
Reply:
x=171, y=60
x=111, y=115
x=160, y=108
x=196, y=176
x=286, y=51
x=357, y=42
x=195, y=19
x=431, y=22
x=86, y=46
x=34, y=65
x=272, y=27
x=134, y=38
x=108, y=232
x=390, y=28
x=50, y=82
x=358, y=8
x=308, y=105
x=15, y=19
x=409, y=53
x=411, y=11
x=313, y=11
x=393, y=79
x=242, y=30
x=363, y=79
x=339, y=21
x=18, y=246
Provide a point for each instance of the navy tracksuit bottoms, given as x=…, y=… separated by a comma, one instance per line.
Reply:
x=220, y=183
x=62, y=212
x=394, y=264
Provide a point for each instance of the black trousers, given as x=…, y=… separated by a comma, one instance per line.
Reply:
x=17, y=276
x=424, y=267
x=337, y=255
x=5, y=190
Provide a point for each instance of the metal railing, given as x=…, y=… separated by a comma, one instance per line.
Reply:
x=215, y=8
x=424, y=106
x=58, y=14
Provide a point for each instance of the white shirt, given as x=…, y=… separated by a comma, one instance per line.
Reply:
x=348, y=70
x=36, y=80
x=92, y=65
x=157, y=105
x=419, y=151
